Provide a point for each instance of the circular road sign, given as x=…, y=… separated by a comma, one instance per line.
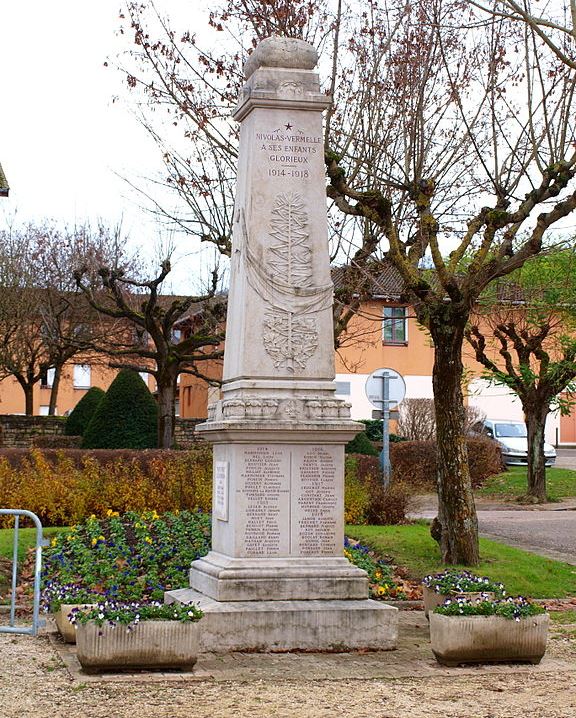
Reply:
x=375, y=388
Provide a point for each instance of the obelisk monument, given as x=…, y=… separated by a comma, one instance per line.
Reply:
x=276, y=577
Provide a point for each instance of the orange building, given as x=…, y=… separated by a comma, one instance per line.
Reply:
x=76, y=379
x=385, y=333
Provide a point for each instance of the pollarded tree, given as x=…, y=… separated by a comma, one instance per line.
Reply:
x=153, y=341
x=468, y=144
x=525, y=338
x=125, y=418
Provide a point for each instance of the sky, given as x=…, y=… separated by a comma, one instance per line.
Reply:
x=65, y=146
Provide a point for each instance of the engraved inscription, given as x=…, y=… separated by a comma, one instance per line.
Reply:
x=316, y=530
x=263, y=494
x=221, y=490
x=289, y=150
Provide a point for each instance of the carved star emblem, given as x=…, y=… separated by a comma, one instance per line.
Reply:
x=288, y=126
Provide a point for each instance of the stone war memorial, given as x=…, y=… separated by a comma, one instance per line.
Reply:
x=276, y=577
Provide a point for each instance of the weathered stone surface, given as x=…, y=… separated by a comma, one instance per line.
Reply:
x=487, y=639
x=67, y=630
x=281, y=52
x=276, y=578
x=290, y=625
x=255, y=579
x=150, y=644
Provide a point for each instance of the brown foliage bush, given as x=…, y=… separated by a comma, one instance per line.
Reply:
x=57, y=441
x=414, y=462
x=63, y=487
x=366, y=501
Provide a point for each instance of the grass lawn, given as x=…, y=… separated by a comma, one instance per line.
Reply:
x=521, y=572
x=560, y=483
x=26, y=540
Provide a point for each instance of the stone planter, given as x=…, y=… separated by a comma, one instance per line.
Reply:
x=488, y=639
x=67, y=630
x=150, y=644
x=433, y=599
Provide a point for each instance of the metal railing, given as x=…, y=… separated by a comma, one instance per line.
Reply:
x=40, y=542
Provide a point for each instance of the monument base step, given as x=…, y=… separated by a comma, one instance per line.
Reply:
x=268, y=626
x=225, y=578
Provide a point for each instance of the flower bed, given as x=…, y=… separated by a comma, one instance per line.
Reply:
x=381, y=580
x=439, y=587
x=129, y=557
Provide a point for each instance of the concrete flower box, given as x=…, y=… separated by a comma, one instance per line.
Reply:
x=150, y=644
x=67, y=630
x=433, y=599
x=488, y=639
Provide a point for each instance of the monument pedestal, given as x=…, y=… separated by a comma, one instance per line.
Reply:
x=276, y=578
x=311, y=625
x=240, y=579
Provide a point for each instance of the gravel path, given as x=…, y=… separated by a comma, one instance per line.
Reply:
x=34, y=683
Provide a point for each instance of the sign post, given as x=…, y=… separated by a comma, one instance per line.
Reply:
x=385, y=389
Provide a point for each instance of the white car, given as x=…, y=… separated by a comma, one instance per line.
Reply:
x=513, y=439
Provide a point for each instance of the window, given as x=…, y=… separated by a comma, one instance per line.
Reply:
x=394, y=329
x=44, y=410
x=176, y=335
x=82, y=376
x=144, y=376
x=47, y=379
x=177, y=407
x=343, y=388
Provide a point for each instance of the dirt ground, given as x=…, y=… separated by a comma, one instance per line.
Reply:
x=35, y=682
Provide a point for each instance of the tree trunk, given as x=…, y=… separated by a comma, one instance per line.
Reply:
x=166, y=410
x=28, y=399
x=54, y=390
x=456, y=527
x=536, y=422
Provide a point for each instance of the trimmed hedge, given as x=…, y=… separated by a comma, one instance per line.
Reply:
x=415, y=461
x=64, y=487
x=126, y=418
x=84, y=411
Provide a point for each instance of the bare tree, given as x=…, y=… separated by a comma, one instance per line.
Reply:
x=470, y=144
x=44, y=320
x=152, y=342
x=450, y=131
x=554, y=25
x=416, y=420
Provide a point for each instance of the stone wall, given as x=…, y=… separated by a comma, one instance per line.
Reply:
x=23, y=432
x=184, y=436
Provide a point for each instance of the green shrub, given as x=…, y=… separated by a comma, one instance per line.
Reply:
x=83, y=411
x=374, y=431
x=126, y=418
x=361, y=444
